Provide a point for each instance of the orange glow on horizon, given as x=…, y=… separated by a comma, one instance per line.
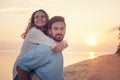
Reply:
x=92, y=56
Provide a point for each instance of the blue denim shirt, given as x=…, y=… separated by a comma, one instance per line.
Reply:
x=47, y=64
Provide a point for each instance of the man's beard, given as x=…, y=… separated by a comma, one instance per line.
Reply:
x=58, y=37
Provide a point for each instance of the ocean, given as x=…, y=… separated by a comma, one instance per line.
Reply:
x=8, y=57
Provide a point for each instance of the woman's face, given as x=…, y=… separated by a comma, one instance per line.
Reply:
x=39, y=19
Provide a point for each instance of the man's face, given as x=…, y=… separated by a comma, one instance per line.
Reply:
x=57, y=31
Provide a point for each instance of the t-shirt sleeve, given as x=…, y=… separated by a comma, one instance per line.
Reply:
x=37, y=36
x=35, y=58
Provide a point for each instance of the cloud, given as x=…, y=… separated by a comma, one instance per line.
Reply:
x=26, y=6
x=43, y=2
x=17, y=9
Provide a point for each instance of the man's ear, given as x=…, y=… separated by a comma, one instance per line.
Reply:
x=49, y=31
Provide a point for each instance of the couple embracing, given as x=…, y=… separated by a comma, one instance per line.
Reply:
x=41, y=56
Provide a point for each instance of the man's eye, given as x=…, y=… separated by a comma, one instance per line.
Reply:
x=62, y=28
x=55, y=28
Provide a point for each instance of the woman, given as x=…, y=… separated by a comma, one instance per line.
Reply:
x=34, y=35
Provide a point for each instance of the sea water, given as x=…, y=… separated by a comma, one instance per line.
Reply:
x=8, y=57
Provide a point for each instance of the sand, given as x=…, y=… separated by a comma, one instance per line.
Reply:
x=105, y=67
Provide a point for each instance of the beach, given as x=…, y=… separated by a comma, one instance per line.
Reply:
x=106, y=67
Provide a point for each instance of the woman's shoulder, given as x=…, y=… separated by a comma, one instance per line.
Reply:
x=34, y=30
x=34, y=34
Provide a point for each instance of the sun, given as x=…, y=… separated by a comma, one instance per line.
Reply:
x=92, y=40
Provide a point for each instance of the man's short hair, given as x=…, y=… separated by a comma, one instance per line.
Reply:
x=55, y=19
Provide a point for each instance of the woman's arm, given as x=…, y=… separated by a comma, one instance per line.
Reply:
x=37, y=36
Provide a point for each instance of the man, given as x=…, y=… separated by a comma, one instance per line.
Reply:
x=42, y=61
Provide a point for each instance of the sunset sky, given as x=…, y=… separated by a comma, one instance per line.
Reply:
x=90, y=23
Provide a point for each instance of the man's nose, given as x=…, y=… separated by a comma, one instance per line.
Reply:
x=59, y=31
x=40, y=18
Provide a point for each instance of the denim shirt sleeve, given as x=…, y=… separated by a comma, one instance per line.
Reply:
x=37, y=57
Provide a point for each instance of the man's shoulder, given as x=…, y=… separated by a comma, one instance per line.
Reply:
x=43, y=47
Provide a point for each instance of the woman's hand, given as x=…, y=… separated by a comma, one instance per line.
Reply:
x=60, y=46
